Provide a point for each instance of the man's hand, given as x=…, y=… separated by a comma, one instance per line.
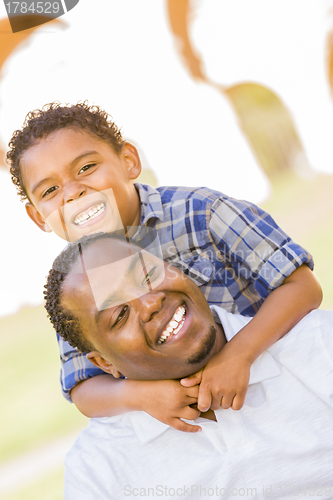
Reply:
x=223, y=381
x=168, y=401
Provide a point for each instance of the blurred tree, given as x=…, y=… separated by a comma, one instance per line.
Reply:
x=329, y=50
x=262, y=116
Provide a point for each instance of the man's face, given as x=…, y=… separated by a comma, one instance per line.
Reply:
x=78, y=185
x=143, y=316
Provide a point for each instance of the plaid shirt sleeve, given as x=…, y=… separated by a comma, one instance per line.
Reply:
x=258, y=249
x=75, y=367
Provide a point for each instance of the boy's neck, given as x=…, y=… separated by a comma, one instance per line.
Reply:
x=132, y=229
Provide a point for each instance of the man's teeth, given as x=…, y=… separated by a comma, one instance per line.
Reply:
x=90, y=213
x=174, y=325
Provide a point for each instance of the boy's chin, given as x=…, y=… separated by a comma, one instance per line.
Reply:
x=72, y=233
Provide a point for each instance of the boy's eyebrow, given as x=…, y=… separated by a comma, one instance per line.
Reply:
x=82, y=156
x=43, y=181
x=110, y=299
x=48, y=179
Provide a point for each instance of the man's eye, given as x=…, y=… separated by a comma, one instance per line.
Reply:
x=87, y=167
x=50, y=190
x=121, y=315
x=149, y=277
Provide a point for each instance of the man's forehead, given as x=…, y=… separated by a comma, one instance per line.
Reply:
x=114, y=271
x=104, y=251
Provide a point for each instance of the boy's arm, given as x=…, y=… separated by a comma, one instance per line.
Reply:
x=97, y=394
x=225, y=378
x=264, y=272
x=165, y=400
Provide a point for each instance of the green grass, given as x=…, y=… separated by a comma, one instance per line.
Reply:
x=33, y=410
x=304, y=209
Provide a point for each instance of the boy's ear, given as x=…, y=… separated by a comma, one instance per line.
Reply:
x=102, y=363
x=37, y=218
x=132, y=159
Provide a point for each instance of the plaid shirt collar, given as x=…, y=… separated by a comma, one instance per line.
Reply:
x=151, y=203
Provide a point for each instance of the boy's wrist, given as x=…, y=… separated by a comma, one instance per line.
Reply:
x=131, y=393
x=134, y=396
x=247, y=354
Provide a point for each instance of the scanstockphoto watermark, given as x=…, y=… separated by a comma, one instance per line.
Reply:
x=198, y=491
x=195, y=490
x=28, y=14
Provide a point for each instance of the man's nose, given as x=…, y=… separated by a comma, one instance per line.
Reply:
x=73, y=191
x=149, y=305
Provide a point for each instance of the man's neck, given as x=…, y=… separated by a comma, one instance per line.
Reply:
x=220, y=338
x=209, y=414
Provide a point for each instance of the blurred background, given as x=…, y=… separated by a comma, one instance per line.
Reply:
x=231, y=94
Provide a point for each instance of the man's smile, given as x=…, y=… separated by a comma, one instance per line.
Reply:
x=174, y=326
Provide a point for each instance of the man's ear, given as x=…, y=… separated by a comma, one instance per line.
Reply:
x=132, y=159
x=37, y=218
x=102, y=363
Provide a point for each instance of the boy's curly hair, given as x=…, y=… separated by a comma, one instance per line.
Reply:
x=54, y=116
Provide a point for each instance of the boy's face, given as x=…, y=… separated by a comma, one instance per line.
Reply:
x=77, y=184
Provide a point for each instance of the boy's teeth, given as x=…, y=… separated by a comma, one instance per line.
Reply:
x=174, y=325
x=89, y=213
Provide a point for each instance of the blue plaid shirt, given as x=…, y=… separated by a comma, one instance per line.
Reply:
x=233, y=250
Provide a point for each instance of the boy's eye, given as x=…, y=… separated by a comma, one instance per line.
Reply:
x=87, y=167
x=121, y=315
x=49, y=190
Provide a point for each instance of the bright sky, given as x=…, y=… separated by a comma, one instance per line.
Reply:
x=120, y=54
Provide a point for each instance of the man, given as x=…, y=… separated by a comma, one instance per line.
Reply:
x=118, y=300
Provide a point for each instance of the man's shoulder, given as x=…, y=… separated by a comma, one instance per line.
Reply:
x=308, y=342
x=96, y=435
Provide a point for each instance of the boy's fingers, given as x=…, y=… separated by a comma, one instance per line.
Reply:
x=193, y=392
x=238, y=402
x=216, y=403
x=190, y=413
x=192, y=380
x=204, y=400
x=227, y=401
x=179, y=425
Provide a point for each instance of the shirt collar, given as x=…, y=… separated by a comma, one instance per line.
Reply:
x=264, y=367
x=148, y=428
x=151, y=203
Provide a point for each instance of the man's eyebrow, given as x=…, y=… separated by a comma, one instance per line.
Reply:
x=111, y=298
x=49, y=179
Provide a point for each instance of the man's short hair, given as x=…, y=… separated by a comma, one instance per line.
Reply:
x=39, y=123
x=65, y=322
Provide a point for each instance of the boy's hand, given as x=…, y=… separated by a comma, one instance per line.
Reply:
x=168, y=401
x=223, y=381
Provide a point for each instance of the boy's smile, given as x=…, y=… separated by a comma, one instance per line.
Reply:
x=77, y=184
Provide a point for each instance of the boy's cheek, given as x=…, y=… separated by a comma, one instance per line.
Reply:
x=57, y=224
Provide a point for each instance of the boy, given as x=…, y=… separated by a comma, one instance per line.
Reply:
x=72, y=156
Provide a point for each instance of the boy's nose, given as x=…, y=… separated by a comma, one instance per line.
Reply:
x=73, y=192
x=149, y=304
